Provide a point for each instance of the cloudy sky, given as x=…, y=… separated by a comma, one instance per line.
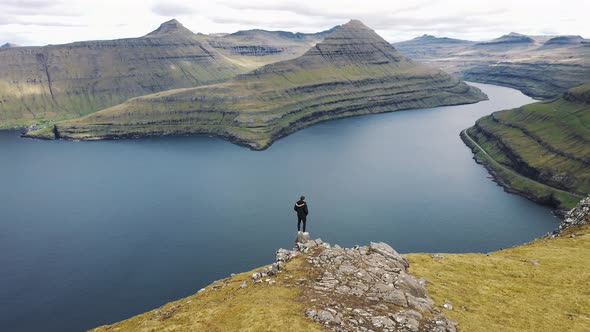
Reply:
x=40, y=22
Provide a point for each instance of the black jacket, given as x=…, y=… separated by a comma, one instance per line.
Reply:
x=301, y=208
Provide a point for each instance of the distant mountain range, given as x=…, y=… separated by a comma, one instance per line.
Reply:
x=351, y=71
x=539, y=66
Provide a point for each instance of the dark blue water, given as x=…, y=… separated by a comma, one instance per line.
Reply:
x=95, y=232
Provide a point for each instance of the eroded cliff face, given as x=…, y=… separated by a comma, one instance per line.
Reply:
x=352, y=71
x=65, y=81
x=546, y=142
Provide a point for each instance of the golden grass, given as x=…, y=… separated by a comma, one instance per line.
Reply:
x=224, y=306
x=507, y=291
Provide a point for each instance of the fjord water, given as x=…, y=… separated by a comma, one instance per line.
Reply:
x=95, y=232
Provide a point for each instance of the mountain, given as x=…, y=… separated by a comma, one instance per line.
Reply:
x=353, y=71
x=564, y=40
x=511, y=38
x=55, y=82
x=539, y=66
x=541, y=150
x=172, y=28
x=255, y=48
x=9, y=45
x=433, y=40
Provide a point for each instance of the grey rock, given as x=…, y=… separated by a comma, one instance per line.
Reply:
x=448, y=305
x=396, y=297
x=302, y=237
x=244, y=285
x=283, y=255
x=577, y=216
x=388, y=252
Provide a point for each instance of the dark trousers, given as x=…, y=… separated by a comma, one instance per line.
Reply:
x=299, y=220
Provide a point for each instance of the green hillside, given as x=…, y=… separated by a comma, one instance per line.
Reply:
x=541, y=150
x=352, y=71
x=54, y=82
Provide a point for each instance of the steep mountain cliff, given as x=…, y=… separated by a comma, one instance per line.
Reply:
x=65, y=81
x=539, y=66
x=541, y=150
x=352, y=71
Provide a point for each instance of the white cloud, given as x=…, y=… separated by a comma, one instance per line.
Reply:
x=39, y=22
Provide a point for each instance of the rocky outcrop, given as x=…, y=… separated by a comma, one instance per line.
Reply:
x=580, y=215
x=363, y=289
x=353, y=71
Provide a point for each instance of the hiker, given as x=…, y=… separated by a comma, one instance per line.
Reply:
x=301, y=208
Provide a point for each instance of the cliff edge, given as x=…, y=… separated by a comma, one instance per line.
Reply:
x=538, y=286
x=314, y=287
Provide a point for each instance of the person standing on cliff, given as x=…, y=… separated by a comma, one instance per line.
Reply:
x=302, y=212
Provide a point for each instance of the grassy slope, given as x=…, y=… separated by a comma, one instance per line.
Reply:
x=548, y=142
x=56, y=82
x=506, y=292
x=224, y=306
x=352, y=72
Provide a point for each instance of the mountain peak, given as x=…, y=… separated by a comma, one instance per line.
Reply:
x=9, y=45
x=354, y=42
x=171, y=27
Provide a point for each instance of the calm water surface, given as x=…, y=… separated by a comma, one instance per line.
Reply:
x=95, y=232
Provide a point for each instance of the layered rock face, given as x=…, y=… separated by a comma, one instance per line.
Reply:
x=255, y=48
x=539, y=66
x=65, y=81
x=548, y=142
x=352, y=71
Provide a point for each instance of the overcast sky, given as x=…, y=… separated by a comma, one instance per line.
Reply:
x=41, y=22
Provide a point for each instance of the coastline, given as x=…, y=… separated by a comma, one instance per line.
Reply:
x=234, y=137
x=514, y=183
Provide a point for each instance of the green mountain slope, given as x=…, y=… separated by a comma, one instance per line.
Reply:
x=352, y=72
x=547, y=143
x=539, y=66
x=38, y=84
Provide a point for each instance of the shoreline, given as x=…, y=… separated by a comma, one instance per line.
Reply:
x=495, y=169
